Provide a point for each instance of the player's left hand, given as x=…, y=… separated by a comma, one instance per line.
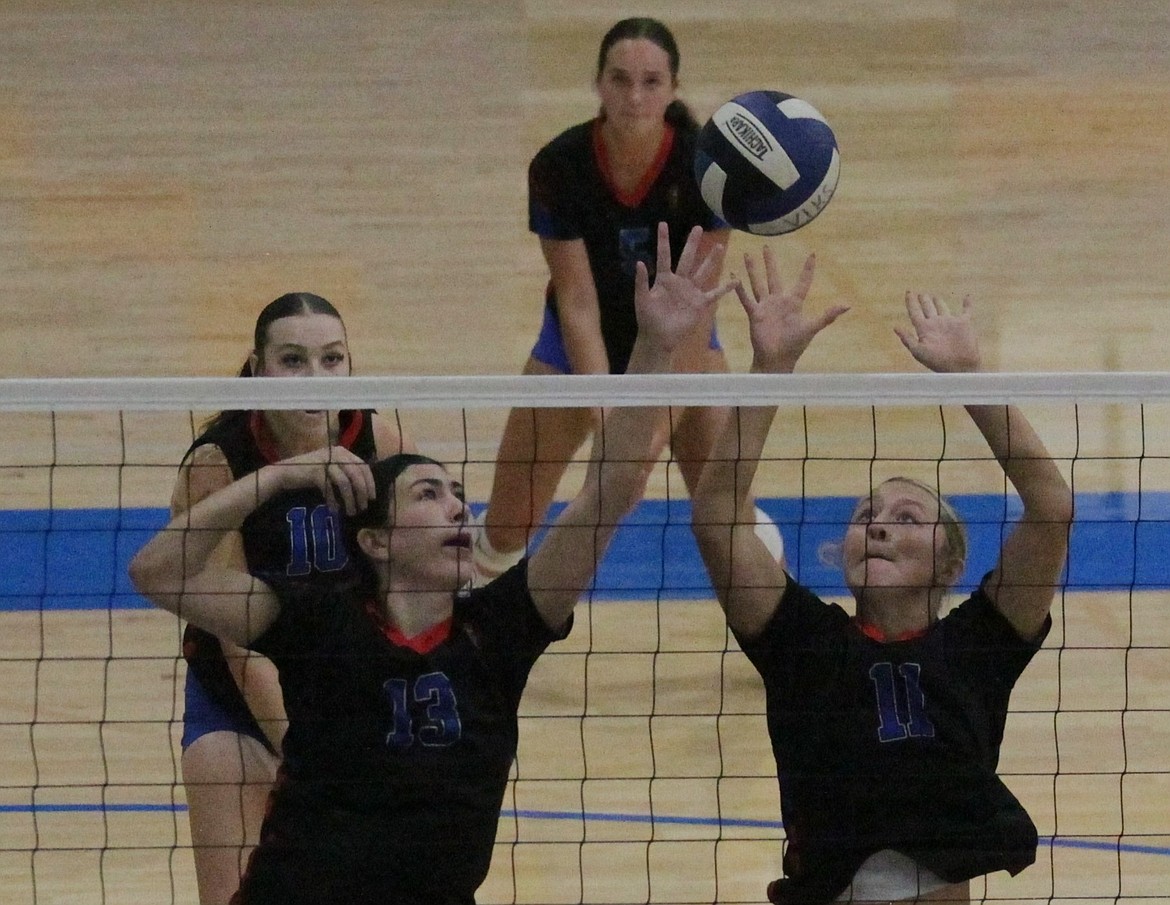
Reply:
x=940, y=340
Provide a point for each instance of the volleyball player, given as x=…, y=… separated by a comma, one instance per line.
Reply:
x=233, y=717
x=595, y=196
x=886, y=727
x=401, y=689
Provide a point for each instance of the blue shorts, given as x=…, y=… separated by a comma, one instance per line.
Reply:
x=203, y=715
x=550, y=344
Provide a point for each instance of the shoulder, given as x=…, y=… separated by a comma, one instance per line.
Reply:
x=686, y=136
x=204, y=470
x=510, y=585
x=571, y=144
x=231, y=434
x=223, y=427
x=575, y=136
x=506, y=602
x=979, y=618
x=206, y=453
x=388, y=436
x=799, y=616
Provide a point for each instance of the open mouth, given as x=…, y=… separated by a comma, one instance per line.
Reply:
x=461, y=541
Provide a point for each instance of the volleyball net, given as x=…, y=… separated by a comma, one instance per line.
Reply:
x=644, y=772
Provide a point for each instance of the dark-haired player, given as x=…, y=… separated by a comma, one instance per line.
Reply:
x=401, y=690
x=596, y=194
x=233, y=717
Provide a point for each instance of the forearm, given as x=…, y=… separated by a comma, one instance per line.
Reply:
x=723, y=495
x=1025, y=460
x=624, y=440
x=564, y=563
x=1033, y=553
x=581, y=334
x=184, y=547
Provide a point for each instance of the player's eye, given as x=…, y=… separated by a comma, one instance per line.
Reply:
x=292, y=360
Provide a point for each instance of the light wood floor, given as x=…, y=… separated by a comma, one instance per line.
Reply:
x=167, y=169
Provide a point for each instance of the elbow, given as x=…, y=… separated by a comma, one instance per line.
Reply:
x=1059, y=504
x=139, y=572
x=1052, y=511
x=145, y=575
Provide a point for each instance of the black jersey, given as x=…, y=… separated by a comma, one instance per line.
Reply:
x=571, y=196
x=891, y=745
x=292, y=536
x=396, y=759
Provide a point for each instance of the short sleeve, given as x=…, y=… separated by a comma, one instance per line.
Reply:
x=296, y=626
x=987, y=643
x=802, y=624
x=509, y=628
x=550, y=207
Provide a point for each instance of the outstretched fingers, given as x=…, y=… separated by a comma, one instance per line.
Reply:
x=685, y=259
x=804, y=281
x=938, y=338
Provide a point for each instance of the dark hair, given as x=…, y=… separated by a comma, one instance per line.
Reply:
x=386, y=471
x=644, y=28
x=290, y=304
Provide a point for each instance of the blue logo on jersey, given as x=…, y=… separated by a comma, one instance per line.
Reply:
x=634, y=245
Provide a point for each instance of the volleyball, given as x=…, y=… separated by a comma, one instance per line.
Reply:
x=767, y=162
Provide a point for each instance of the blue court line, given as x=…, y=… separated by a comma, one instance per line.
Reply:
x=68, y=559
x=87, y=808
x=600, y=817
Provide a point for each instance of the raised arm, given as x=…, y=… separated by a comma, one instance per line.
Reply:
x=564, y=564
x=177, y=572
x=1032, y=556
x=748, y=581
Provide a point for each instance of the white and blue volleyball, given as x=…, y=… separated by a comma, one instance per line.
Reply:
x=767, y=163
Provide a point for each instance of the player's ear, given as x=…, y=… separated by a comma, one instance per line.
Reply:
x=375, y=543
x=951, y=571
x=254, y=364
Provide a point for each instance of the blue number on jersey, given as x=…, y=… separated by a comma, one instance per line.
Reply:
x=892, y=725
x=314, y=539
x=440, y=726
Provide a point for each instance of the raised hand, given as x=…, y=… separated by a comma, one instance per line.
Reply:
x=779, y=329
x=674, y=305
x=940, y=340
x=343, y=477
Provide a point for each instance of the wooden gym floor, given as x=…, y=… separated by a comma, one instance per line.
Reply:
x=167, y=169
